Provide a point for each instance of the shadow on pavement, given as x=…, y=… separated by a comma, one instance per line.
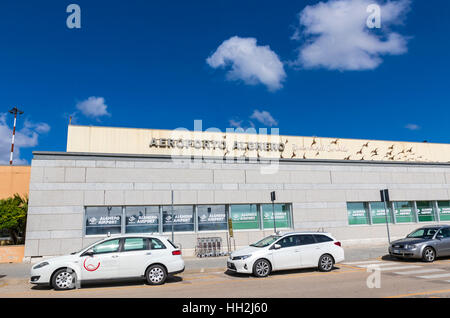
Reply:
x=280, y=273
x=115, y=283
x=40, y=287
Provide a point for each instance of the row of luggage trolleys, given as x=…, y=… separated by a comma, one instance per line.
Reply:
x=209, y=247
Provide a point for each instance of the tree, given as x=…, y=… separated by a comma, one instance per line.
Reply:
x=13, y=216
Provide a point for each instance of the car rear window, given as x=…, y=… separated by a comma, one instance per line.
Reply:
x=322, y=238
x=134, y=244
x=156, y=244
x=306, y=239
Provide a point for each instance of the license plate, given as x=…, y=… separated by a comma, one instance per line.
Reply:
x=397, y=252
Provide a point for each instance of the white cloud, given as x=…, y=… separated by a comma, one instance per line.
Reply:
x=412, y=127
x=41, y=128
x=26, y=137
x=235, y=123
x=264, y=117
x=93, y=107
x=249, y=62
x=336, y=35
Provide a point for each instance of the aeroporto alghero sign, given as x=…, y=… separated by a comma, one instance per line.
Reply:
x=214, y=144
x=110, y=140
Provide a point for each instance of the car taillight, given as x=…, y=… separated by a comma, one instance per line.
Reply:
x=337, y=243
x=176, y=252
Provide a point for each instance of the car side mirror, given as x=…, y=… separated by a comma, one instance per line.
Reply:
x=440, y=237
x=88, y=253
x=276, y=246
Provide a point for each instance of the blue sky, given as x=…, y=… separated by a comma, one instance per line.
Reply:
x=144, y=64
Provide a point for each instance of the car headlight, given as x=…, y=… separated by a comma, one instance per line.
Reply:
x=410, y=246
x=242, y=257
x=40, y=265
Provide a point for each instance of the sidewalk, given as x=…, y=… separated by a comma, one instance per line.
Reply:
x=207, y=264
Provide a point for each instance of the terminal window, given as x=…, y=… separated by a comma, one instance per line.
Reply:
x=368, y=213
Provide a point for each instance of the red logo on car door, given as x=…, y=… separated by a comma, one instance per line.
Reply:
x=90, y=267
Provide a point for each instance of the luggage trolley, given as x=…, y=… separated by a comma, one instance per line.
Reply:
x=209, y=247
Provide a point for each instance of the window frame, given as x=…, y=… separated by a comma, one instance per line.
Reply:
x=125, y=216
x=367, y=210
x=285, y=237
x=329, y=239
x=85, y=218
x=155, y=249
x=146, y=244
x=103, y=242
x=160, y=208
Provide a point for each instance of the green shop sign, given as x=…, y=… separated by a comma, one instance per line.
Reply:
x=245, y=220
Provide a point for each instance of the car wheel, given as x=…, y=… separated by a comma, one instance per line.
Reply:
x=261, y=268
x=156, y=275
x=326, y=263
x=64, y=279
x=429, y=255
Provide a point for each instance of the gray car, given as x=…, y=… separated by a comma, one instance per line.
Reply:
x=425, y=243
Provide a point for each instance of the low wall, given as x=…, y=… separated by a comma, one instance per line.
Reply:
x=12, y=253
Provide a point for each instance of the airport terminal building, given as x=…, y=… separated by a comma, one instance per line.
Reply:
x=123, y=180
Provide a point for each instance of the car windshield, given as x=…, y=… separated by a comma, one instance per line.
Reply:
x=426, y=233
x=85, y=248
x=266, y=241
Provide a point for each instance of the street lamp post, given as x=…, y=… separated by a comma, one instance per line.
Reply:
x=14, y=111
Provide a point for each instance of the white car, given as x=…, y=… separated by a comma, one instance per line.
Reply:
x=288, y=251
x=115, y=257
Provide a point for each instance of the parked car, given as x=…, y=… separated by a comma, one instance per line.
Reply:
x=288, y=251
x=116, y=257
x=425, y=243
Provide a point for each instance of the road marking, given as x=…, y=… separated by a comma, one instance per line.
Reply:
x=422, y=293
x=435, y=276
x=420, y=271
x=398, y=267
x=113, y=289
x=365, y=262
x=378, y=264
x=349, y=266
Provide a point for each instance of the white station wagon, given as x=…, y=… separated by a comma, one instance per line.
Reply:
x=116, y=257
x=288, y=251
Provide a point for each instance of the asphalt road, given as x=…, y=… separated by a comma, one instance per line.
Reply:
x=194, y=264
x=350, y=279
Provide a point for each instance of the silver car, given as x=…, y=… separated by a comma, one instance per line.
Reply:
x=425, y=243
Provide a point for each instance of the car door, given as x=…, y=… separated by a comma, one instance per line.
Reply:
x=443, y=243
x=133, y=256
x=288, y=256
x=138, y=253
x=310, y=251
x=104, y=261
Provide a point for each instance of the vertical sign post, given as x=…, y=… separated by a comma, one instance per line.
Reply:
x=385, y=198
x=230, y=227
x=272, y=198
x=230, y=233
x=172, y=219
